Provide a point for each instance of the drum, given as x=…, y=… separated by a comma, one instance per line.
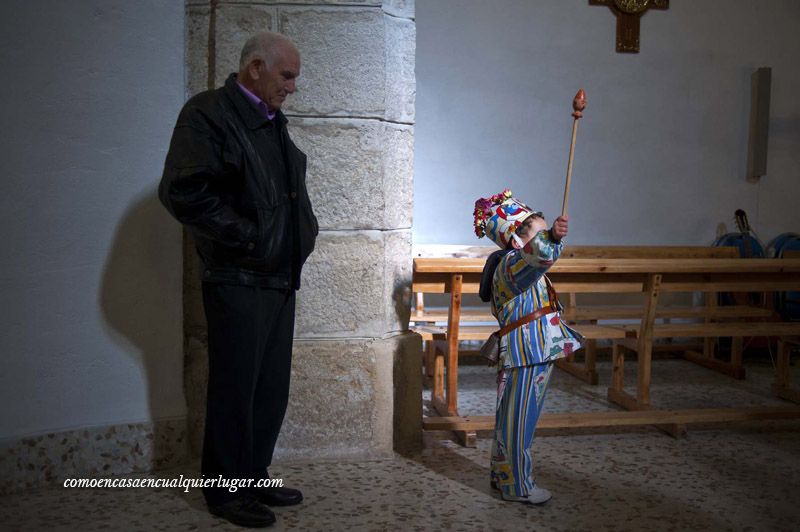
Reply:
x=749, y=247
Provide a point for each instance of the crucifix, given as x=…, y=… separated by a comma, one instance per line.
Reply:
x=628, y=13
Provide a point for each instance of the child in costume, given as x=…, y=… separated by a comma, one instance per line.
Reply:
x=514, y=281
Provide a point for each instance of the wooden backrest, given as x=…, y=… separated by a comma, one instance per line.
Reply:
x=645, y=252
x=650, y=252
x=424, y=283
x=590, y=252
x=454, y=251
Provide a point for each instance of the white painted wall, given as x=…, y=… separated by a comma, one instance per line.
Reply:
x=661, y=152
x=90, y=318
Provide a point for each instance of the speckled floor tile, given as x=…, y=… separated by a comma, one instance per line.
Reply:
x=736, y=477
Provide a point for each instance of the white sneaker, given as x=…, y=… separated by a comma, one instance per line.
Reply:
x=535, y=496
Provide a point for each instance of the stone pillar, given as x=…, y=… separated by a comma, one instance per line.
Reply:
x=353, y=387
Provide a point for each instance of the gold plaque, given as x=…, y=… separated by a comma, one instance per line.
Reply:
x=631, y=6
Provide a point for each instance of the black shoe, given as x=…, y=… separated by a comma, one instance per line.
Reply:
x=277, y=496
x=246, y=512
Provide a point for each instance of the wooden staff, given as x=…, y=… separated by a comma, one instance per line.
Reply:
x=578, y=105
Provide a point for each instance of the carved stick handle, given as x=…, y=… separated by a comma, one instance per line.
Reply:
x=578, y=105
x=569, y=167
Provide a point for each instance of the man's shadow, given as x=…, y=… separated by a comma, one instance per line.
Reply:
x=141, y=300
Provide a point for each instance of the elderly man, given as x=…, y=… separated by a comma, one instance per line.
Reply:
x=236, y=180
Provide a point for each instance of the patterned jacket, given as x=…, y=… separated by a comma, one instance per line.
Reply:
x=519, y=288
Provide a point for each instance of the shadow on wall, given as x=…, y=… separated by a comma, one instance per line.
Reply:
x=140, y=298
x=401, y=298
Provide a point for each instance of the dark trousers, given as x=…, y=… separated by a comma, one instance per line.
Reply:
x=250, y=332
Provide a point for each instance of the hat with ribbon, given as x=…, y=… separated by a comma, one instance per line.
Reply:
x=499, y=216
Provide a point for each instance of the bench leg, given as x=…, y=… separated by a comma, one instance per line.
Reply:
x=644, y=346
x=586, y=372
x=644, y=364
x=737, y=345
x=642, y=400
x=782, y=365
x=451, y=382
x=430, y=359
x=616, y=392
x=709, y=344
x=708, y=359
x=453, y=317
x=782, y=386
x=437, y=398
x=734, y=368
x=676, y=430
x=618, y=396
x=618, y=367
x=591, y=359
x=580, y=371
x=467, y=438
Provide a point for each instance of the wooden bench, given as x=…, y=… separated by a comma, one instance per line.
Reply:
x=425, y=319
x=581, y=314
x=709, y=276
x=437, y=338
x=782, y=386
x=647, y=276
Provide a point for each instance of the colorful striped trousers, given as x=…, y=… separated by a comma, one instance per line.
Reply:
x=520, y=398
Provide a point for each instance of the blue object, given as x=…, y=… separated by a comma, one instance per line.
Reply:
x=741, y=241
x=738, y=240
x=786, y=303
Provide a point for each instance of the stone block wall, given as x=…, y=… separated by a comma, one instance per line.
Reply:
x=353, y=115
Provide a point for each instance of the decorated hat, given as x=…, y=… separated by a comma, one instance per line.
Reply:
x=499, y=216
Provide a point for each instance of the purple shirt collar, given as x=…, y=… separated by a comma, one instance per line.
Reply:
x=255, y=100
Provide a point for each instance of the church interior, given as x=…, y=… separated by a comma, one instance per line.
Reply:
x=681, y=269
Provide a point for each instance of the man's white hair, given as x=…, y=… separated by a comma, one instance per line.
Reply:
x=265, y=45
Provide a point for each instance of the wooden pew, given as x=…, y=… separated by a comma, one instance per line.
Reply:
x=649, y=277
x=581, y=314
x=710, y=276
x=425, y=319
x=782, y=385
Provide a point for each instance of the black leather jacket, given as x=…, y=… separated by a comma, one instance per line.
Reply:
x=250, y=226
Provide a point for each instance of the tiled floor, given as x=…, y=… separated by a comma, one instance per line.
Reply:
x=738, y=477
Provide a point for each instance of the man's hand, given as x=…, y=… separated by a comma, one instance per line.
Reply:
x=560, y=227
